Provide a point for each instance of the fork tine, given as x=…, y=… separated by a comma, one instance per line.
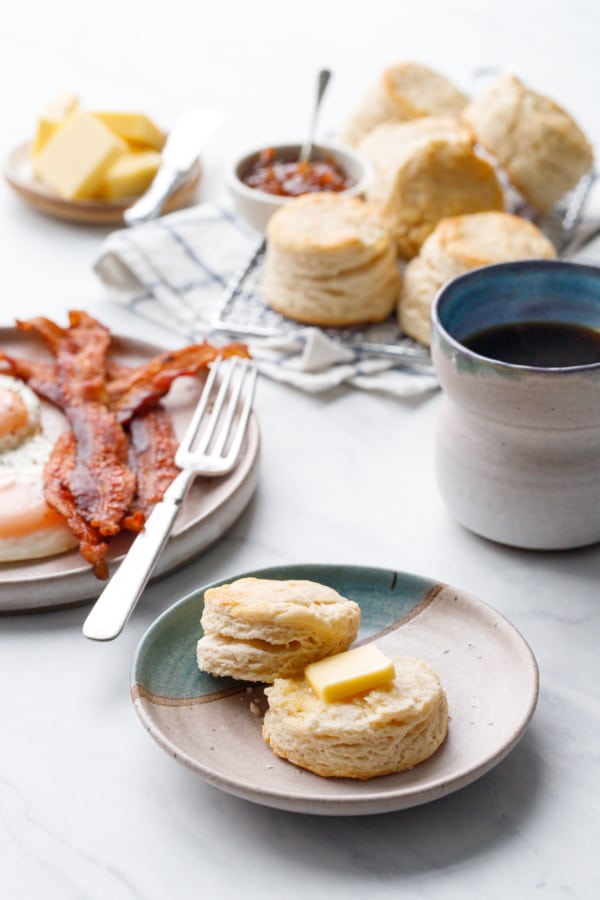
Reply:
x=215, y=413
x=191, y=430
x=225, y=428
x=236, y=445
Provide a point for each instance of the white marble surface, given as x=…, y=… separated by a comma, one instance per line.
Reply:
x=90, y=807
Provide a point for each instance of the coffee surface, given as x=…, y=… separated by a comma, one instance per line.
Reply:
x=540, y=344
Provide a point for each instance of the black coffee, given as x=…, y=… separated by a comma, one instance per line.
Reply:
x=542, y=344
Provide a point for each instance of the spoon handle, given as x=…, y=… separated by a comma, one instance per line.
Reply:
x=323, y=81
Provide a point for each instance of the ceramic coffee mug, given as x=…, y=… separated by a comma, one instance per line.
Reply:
x=518, y=444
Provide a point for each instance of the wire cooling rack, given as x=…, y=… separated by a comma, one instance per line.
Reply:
x=243, y=310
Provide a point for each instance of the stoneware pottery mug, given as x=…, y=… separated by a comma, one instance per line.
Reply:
x=518, y=443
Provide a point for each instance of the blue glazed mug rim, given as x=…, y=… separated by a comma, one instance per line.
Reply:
x=509, y=267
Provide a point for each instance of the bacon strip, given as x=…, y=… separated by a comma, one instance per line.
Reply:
x=101, y=481
x=132, y=392
x=57, y=477
x=40, y=376
x=152, y=448
x=80, y=351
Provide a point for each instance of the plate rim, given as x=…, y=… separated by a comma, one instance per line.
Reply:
x=312, y=803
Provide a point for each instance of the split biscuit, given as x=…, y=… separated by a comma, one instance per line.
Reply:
x=330, y=261
x=402, y=92
x=425, y=171
x=457, y=245
x=258, y=629
x=385, y=730
x=539, y=145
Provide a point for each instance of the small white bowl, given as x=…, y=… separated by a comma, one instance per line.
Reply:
x=256, y=207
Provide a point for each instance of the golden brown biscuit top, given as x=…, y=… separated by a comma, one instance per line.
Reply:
x=482, y=238
x=421, y=91
x=328, y=223
x=271, y=601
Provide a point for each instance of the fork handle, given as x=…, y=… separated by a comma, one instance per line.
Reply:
x=117, y=601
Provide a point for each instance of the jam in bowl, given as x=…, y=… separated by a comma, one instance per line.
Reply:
x=262, y=181
x=285, y=176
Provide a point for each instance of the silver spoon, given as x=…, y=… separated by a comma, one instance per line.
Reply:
x=323, y=81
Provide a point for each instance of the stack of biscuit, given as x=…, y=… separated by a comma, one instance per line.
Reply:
x=457, y=245
x=258, y=630
x=425, y=171
x=403, y=92
x=539, y=145
x=330, y=261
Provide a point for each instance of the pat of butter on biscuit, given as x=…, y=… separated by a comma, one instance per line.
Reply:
x=347, y=674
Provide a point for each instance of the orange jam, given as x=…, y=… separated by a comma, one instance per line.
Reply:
x=290, y=178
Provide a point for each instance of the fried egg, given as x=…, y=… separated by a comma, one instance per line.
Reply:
x=29, y=528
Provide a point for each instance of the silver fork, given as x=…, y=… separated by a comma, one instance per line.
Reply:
x=211, y=447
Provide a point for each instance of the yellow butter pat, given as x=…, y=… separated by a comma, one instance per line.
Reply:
x=136, y=128
x=75, y=161
x=129, y=175
x=349, y=673
x=52, y=117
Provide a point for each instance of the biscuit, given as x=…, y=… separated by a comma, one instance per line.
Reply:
x=402, y=92
x=258, y=629
x=425, y=171
x=541, y=148
x=388, y=729
x=457, y=245
x=330, y=261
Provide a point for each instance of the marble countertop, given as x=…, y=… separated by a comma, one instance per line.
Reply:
x=90, y=806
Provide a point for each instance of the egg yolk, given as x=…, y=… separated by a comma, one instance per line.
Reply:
x=23, y=509
x=13, y=413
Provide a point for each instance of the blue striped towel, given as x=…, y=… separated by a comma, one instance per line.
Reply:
x=174, y=272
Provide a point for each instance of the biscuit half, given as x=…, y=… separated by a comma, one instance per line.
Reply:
x=258, y=629
x=330, y=261
x=539, y=145
x=388, y=729
x=402, y=92
x=425, y=171
x=456, y=245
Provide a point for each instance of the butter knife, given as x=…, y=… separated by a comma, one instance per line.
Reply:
x=184, y=144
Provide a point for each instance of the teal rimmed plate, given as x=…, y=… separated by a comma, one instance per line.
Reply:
x=213, y=725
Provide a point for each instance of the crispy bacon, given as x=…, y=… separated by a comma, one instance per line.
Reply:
x=56, y=490
x=152, y=448
x=100, y=478
x=101, y=482
x=80, y=352
x=132, y=392
x=40, y=376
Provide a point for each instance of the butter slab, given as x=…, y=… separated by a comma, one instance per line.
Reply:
x=347, y=674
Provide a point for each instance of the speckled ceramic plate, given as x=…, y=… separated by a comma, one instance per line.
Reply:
x=487, y=669
x=212, y=506
x=19, y=175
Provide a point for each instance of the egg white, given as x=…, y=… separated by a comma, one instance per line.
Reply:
x=33, y=407
x=27, y=458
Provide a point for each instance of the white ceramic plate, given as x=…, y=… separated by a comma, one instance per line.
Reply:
x=212, y=506
x=19, y=175
x=487, y=669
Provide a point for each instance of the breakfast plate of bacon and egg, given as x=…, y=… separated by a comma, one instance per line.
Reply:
x=89, y=426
